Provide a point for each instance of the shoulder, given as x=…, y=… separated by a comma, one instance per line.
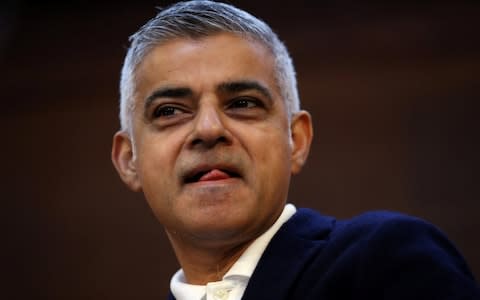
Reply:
x=395, y=234
x=368, y=226
x=377, y=237
x=408, y=257
x=307, y=222
x=386, y=224
x=408, y=254
x=376, y=255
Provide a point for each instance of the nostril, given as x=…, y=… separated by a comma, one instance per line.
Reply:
x=209, y=142
x=222, y=139
x=196, y=142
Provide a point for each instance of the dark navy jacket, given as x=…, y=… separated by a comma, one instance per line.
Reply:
x=378, y=255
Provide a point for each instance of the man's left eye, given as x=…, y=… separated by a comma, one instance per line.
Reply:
x=244, y=103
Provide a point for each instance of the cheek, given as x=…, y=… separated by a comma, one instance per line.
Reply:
x=156, y=173
x=273, y=171
x=156, y=159
x=272, y=155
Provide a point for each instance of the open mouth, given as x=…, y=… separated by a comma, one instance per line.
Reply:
x=210, y=175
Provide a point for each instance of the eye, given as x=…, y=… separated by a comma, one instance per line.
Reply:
x=245, y=103
x=166, y=111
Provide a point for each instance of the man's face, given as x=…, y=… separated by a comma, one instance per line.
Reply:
x=212, y=149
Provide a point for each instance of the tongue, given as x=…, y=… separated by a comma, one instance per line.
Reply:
x=214, y=174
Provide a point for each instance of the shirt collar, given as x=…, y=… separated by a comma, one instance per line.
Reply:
x=247, y=262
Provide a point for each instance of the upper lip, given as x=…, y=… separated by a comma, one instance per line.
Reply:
x=194, y=174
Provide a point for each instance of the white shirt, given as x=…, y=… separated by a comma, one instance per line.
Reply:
x=235, y=281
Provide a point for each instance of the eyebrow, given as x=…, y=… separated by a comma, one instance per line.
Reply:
x=244, y=85
x=168, y=92
x=226, y=87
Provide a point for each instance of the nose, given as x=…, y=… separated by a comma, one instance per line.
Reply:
x=209, y=128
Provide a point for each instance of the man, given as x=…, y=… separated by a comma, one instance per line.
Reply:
x=211, y=132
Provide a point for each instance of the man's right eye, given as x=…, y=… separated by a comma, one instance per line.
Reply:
x=166, y=111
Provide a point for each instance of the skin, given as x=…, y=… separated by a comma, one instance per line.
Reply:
x=212, y=147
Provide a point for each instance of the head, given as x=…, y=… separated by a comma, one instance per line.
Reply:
x=197, y=19
x=211, y=125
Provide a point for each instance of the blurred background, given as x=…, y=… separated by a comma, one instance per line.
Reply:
x=392, y=89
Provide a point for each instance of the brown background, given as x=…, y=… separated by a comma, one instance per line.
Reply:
x=392, y=88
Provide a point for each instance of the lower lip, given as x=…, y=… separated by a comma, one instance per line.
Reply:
x=214, y=184
x=217, y=181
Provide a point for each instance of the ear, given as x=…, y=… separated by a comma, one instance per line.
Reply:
x=124, y=160
x=302, y=134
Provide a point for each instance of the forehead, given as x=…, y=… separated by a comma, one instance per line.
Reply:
x=206, y=61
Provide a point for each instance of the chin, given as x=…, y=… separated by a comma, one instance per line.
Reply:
x=221, y=228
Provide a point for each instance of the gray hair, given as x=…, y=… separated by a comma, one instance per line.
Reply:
x=196, y=19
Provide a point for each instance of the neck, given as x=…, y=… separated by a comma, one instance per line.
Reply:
x=206, y=264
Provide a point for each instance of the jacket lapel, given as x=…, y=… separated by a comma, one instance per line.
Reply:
x=287, y=254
